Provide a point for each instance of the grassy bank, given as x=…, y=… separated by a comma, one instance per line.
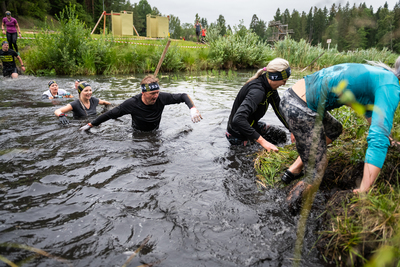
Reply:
x=64, y=46
x=358, y=229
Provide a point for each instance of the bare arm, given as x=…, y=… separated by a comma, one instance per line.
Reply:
x=19, y=30
x=2, y=27
x=63, y=110
x=371, y=172
x=102, y=102
x=22, y=63
x=267, y=145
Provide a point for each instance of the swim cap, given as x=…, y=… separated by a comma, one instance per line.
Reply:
x=4, y=42
x=51, y=82
x=82, y=86
x=150, y=87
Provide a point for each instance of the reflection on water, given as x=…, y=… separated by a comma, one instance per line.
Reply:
x=94, y=197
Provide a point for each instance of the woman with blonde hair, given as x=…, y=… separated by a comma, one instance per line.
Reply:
x=251, y=104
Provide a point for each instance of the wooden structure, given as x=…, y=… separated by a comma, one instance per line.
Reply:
x=279, y=31
x=120, y=23
x=157, y=26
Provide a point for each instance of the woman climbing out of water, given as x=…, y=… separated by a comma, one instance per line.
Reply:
x=83, y=107
x=375, y=85
x=251, y=104
x=55, y=92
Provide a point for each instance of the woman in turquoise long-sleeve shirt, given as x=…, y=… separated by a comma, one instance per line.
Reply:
x=376, y=86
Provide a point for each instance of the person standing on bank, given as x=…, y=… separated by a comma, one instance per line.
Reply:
x=197, y=26
x=146, y=108
x=12, y=26
x=376, y=85
x=83, y=107
x=252, y=103
x=7, y=57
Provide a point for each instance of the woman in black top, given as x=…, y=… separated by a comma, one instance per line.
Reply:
x=83, y=107
x=251, y=104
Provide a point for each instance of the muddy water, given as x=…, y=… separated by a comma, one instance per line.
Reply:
x=94, y=197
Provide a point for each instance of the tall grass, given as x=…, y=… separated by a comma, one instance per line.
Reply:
x=301, y=54
x=241, y=49
x=71, y=50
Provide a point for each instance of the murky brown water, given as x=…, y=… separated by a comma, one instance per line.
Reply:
x=92, y=198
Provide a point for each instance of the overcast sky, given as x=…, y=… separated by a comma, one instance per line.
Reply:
x=236, y=10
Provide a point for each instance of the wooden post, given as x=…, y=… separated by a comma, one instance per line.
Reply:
x=104, y=27
x=312, y=62
x=135, y=30
x=102, y=14
x=162, y=58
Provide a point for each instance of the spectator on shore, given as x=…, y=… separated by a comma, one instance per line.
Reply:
x=203, y=35
x=12, y=27
x=197, y=26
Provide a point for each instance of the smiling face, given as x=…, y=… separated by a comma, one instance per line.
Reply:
x=275, y=84
x=86, y=93
x=53, y=88
x=150, y=98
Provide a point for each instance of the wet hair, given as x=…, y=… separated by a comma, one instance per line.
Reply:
x=149, y=79
x=276, y=65
x=396, y=70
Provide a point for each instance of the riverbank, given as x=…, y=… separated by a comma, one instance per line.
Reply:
x=355, y=226
x=68, y=48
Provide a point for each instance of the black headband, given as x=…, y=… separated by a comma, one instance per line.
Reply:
x=150, y=87
x=82, y=86
x=279, y=75
x=51, y=82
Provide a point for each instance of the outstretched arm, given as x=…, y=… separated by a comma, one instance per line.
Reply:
x=60, y=113
x=103, y=102
x=194, y=113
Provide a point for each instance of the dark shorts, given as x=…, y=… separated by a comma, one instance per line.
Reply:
x=197, y=33
x=8, y=72
x=305, y=124
x=271, y=133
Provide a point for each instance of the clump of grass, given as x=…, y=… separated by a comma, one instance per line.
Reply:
x=270, y=165
x=364, y=224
